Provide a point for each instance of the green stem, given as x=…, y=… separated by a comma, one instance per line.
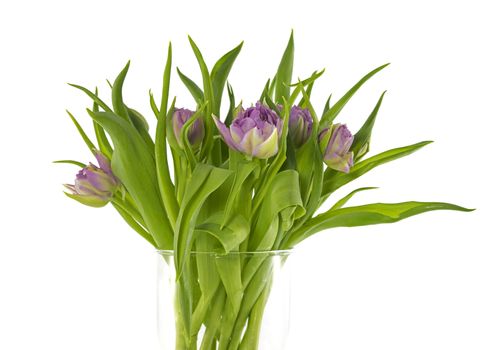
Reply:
x=252, y=333
x=213, y=321
x=252, y=293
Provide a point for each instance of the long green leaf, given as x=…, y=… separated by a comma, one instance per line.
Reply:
x=334, y=180
x=370, y=214
x=333, y=112
x=285, y=72
x=166, y=83
x=219, y=75
x=361, y=139
x=93, y=96
x=101, y=137
x=85, y=137
x=167, y=191
x=133, y=164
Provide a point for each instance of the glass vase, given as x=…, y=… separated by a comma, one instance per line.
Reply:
x=239, y=300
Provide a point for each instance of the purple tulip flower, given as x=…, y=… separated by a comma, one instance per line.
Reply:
x=94, y=186
x=196, y=132
x=255, y=132
x=335, y=143
x=300, y=125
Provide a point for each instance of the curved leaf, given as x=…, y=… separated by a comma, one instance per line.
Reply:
x=220, y=73
x=370, y=214
x=334, y=180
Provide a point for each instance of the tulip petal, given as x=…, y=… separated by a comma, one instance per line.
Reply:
x=103, y=162
x=225, y=133
x=268, y=148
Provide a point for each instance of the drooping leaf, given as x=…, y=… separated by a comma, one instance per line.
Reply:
x=334, y=179
x=361, y=139
x=220, y=73
x=229, y=235
x=333, y=112
x=370, y=214
x=133, y=164
x=285, y=72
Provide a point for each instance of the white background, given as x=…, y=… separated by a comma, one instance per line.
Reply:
x=73, y=277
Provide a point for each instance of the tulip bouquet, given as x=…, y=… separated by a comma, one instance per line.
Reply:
x=248, y=181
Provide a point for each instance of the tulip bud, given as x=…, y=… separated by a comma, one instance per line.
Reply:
x=335, y=143
x=300, y=125
x=196, y=131
x=254, y=132
x=94, y=186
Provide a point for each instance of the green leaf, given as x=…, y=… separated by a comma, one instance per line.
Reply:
x=117, y=101
x=166, y=83
x=334, y=179
x=204, y=180
x=220, y=73
x=73, y=162
x=327, y=105
x=229, y=235
x=284, y=193
x=285, y=72
x=85, y=137
x=370, y=214
x=153, y=104
x=134, y=225
x=141, y=125
x=166, y=186
x=194, y=89
x=208, y=97
x=101, y=137
x=94, y=97
x=333, y=112
x=340, y=203
x=361, y=139
x=242, y=170
x=133, y=164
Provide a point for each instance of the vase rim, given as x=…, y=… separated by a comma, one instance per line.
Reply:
x=277, y=252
